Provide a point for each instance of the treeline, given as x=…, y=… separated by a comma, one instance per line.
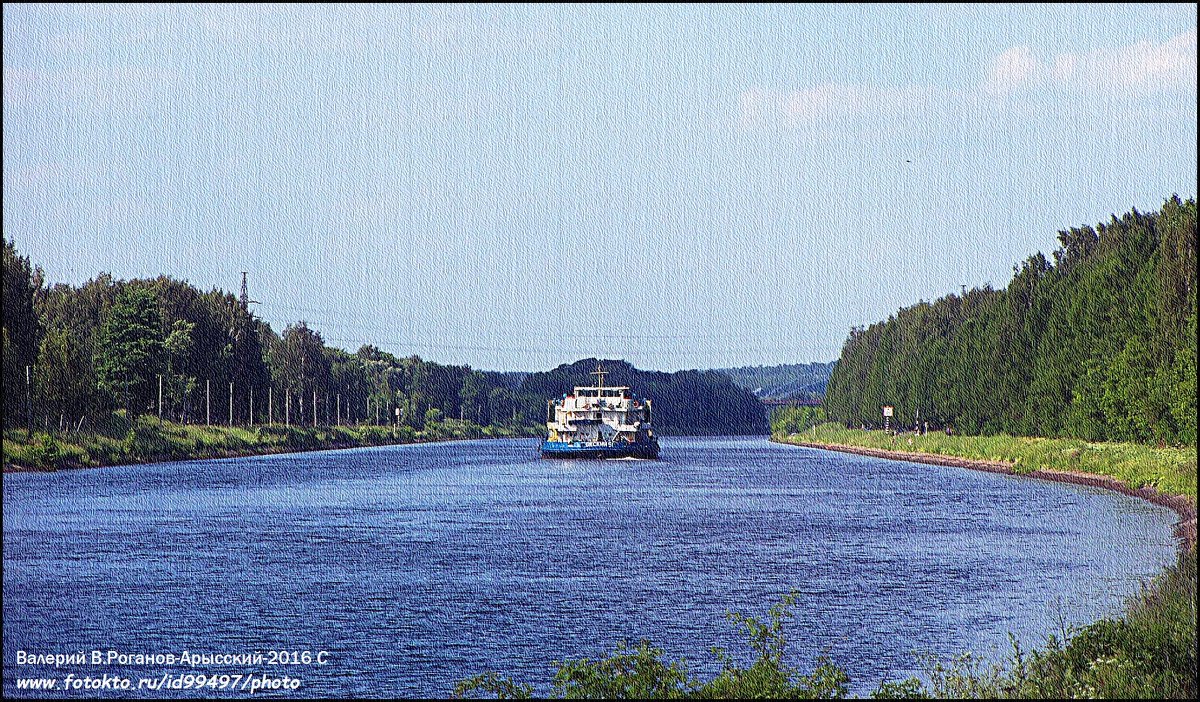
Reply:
x=1098, y=343
x=98, y=355
x=685, y=402
x=103, y=347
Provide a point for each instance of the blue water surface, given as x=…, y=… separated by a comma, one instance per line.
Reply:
x=416, y=566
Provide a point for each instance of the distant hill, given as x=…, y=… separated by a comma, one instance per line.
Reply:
x=785, y=382
x=685, y=402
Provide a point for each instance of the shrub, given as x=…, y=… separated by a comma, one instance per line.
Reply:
x=641, y=672
x=46, y=451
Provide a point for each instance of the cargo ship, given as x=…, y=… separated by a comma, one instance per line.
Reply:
x=598, y=421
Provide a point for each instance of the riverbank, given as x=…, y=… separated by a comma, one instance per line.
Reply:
x=1149, y=651
x=1162, y=476
x=150, y=441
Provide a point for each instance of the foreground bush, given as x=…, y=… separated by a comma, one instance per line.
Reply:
x=641, y=672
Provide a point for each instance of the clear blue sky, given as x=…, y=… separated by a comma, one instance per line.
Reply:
x=518, y=187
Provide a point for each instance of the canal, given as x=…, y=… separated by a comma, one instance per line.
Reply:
x=412, y=567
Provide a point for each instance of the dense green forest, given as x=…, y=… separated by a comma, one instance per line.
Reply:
x=98, y=353
x=1098, y=343
x=104, y=345
x=790, y=381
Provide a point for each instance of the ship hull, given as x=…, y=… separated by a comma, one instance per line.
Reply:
x=599, y=450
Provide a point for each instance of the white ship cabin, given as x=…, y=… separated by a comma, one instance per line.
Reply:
x=599, y=414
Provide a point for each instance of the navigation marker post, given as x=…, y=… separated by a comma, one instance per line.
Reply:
x=888, y=411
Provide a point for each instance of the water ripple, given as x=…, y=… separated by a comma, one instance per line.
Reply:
x=417, y=566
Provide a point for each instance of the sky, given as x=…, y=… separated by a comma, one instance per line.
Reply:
x=516, y=187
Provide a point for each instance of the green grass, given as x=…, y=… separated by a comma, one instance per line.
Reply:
x=1169, y=470
x=149, y=440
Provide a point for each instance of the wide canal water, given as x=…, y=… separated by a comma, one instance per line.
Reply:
x=413, y=567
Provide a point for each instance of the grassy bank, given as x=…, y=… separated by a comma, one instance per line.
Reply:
x=1168, y=470
x=147, y=440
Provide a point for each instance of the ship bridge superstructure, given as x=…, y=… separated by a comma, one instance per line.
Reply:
x=600, y=417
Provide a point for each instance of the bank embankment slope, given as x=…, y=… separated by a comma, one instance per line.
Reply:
x=1161, y=476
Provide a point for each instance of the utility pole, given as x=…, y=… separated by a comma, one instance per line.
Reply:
x=270, y=405
x=29, y=400
x=245, y=299
x=314, y=409
x=160, y=398
x=207, y=402
x=230, y=404
x=251, y=405
x=287, y=408
x=339, y=409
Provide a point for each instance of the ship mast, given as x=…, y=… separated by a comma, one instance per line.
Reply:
x=599, y=373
